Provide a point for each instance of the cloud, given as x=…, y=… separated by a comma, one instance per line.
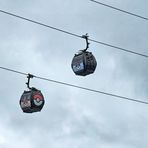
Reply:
x=72, y=117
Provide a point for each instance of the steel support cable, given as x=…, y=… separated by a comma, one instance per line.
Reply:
x=118, y=9
x=76, y=86
x=73, y=34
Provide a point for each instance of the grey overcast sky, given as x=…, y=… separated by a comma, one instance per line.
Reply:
x=73, y=118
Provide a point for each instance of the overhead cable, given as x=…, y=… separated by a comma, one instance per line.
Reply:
x=73, y=34
x=76, y=86
x=118, y=9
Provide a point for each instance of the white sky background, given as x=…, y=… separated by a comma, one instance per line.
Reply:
x=72, y=117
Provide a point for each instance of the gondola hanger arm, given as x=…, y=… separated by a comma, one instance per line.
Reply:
x=87, y=43
x=29, y=76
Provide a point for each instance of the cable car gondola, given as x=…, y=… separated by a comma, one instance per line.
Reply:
x=31, y=100
x=84, y=62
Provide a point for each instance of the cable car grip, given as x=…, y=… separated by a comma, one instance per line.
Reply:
x=29, y=76
x=87, y=43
